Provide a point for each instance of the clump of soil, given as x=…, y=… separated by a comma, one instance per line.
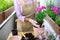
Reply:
x=29, y=36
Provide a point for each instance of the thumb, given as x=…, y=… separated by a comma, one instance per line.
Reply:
x=34, y=24
x=31, y=20
x=37, y=25
x=34, y=21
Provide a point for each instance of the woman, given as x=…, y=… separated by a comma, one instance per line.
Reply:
x=25, y=10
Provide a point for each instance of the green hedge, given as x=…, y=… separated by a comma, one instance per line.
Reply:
x=5, y=4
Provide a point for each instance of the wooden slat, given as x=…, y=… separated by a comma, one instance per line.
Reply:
x=53, y=24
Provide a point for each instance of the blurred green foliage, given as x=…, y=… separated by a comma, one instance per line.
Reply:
x=5, y=4
x=57, y=20
x=51, y=37
x=49, y=4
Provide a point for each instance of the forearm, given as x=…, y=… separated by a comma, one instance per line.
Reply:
x=18, y=9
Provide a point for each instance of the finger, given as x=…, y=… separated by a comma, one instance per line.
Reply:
x=34, y=21
x=30, y=20
x=35, y=25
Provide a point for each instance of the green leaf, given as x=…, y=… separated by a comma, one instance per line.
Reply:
x=51, y=13
x=40, y=16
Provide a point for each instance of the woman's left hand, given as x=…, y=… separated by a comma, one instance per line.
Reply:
x=33, y=22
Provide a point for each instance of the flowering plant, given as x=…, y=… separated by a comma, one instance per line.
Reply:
x=40, y=15
x=55, y=9
x=54, y=14
x=40, y=8
x=51, y=13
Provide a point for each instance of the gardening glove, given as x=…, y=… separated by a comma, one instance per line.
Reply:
x=33, y=22
x=14, y=38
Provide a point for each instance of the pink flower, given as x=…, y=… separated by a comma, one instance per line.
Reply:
x=43, y=7
x=55, y=9
x=40, y=8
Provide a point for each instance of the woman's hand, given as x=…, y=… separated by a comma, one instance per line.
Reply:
x=26, y=19
x=33, y=22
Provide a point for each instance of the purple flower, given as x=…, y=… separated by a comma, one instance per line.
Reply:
x=55, y=9
x=40, y=8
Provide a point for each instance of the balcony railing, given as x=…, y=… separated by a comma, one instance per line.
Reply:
x=4, y=22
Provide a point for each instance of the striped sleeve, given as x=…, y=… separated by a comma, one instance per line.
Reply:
x=18, y=9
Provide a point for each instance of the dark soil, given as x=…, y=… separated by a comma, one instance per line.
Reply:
x=29, y=36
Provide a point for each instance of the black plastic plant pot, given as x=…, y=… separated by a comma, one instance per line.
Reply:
x=14, y=32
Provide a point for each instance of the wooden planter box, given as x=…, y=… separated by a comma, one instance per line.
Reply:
x=2, y=17
x=5, y=14
x=8, y=12
x=53, y=24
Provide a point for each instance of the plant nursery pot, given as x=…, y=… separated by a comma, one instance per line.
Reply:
x=14, y=32
x=41, y=30
x=53, y=24
x=37, y=31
